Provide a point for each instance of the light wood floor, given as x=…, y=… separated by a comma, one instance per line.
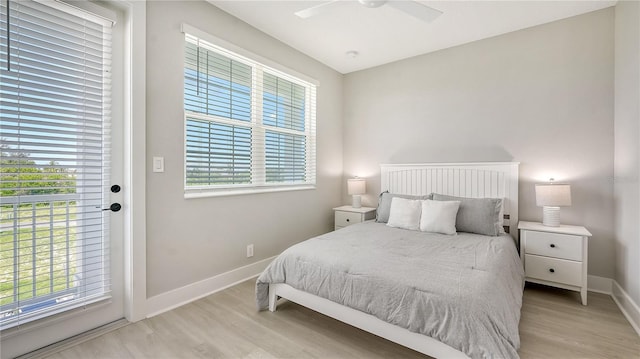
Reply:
x=226, y=325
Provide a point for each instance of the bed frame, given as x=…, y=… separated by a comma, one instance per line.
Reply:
x=488, y=179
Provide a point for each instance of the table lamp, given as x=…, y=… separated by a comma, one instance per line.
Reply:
x=356, y=187
x=551, y=197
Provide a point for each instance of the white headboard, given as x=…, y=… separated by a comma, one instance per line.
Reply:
x=480, y=179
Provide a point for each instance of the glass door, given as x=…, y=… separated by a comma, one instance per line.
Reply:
x=60, y=173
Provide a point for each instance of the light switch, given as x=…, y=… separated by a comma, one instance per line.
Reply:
x=158, y=164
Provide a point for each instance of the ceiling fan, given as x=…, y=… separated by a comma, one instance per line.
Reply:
x=409, y=7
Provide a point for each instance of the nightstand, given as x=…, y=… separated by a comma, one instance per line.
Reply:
x=555, y=256
x=347, y=215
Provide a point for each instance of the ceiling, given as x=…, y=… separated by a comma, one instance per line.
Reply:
x=382, y=35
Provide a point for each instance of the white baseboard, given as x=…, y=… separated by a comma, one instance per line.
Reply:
x=166, y=301
x=628, y=307
x=599, y=284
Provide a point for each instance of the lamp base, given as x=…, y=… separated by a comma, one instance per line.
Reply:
x=357, y=201
x=551, y=216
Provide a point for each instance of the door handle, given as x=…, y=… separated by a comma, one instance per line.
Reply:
x=114, y=207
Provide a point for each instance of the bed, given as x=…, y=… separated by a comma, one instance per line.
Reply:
x=444, y=296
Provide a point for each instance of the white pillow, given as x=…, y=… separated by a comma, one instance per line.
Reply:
x=439, y=216
x=405, y=213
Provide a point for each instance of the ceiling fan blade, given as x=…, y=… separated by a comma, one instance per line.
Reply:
x=416, y=9
x=316, y=10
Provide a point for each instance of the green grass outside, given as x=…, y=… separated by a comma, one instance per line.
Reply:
x=62, y=238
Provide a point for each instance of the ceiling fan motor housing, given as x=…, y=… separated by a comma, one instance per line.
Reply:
x=372, y=3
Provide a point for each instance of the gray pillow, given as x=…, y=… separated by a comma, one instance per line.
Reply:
x=476, y=215
x=384, y=204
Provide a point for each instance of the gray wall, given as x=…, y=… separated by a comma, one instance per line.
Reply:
x=627, y=147
x=542, y=96
x=190, y=240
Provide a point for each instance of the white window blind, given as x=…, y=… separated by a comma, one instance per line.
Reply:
x=248, y=126
x=55, y=119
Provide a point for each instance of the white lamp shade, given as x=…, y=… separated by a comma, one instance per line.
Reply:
x=553, y=195
x=356, y=186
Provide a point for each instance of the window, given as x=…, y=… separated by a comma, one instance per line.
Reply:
x=248, y=127
x=54, y=111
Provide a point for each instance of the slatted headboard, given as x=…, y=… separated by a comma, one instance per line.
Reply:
x=481, y=179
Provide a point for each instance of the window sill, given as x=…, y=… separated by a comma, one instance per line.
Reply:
x=190, y=194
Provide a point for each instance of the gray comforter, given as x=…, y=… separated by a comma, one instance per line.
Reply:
x=463, y=290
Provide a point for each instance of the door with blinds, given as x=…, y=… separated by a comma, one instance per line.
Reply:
x=60, y=174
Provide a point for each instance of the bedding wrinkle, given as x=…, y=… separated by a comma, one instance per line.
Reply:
x=401, y=306
x=463, y=290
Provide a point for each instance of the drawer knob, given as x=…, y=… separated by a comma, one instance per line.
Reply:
x=552, y=245
x=347, y=219
x=552, y=270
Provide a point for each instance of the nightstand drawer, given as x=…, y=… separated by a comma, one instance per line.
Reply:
x=555, y=245
x=344, y=219
x=553, y=270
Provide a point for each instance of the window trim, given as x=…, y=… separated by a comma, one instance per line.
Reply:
x=188, y=29
x=263, y=65
x=203, y=193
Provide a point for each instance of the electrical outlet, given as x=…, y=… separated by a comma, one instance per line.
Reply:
x=250, y=251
